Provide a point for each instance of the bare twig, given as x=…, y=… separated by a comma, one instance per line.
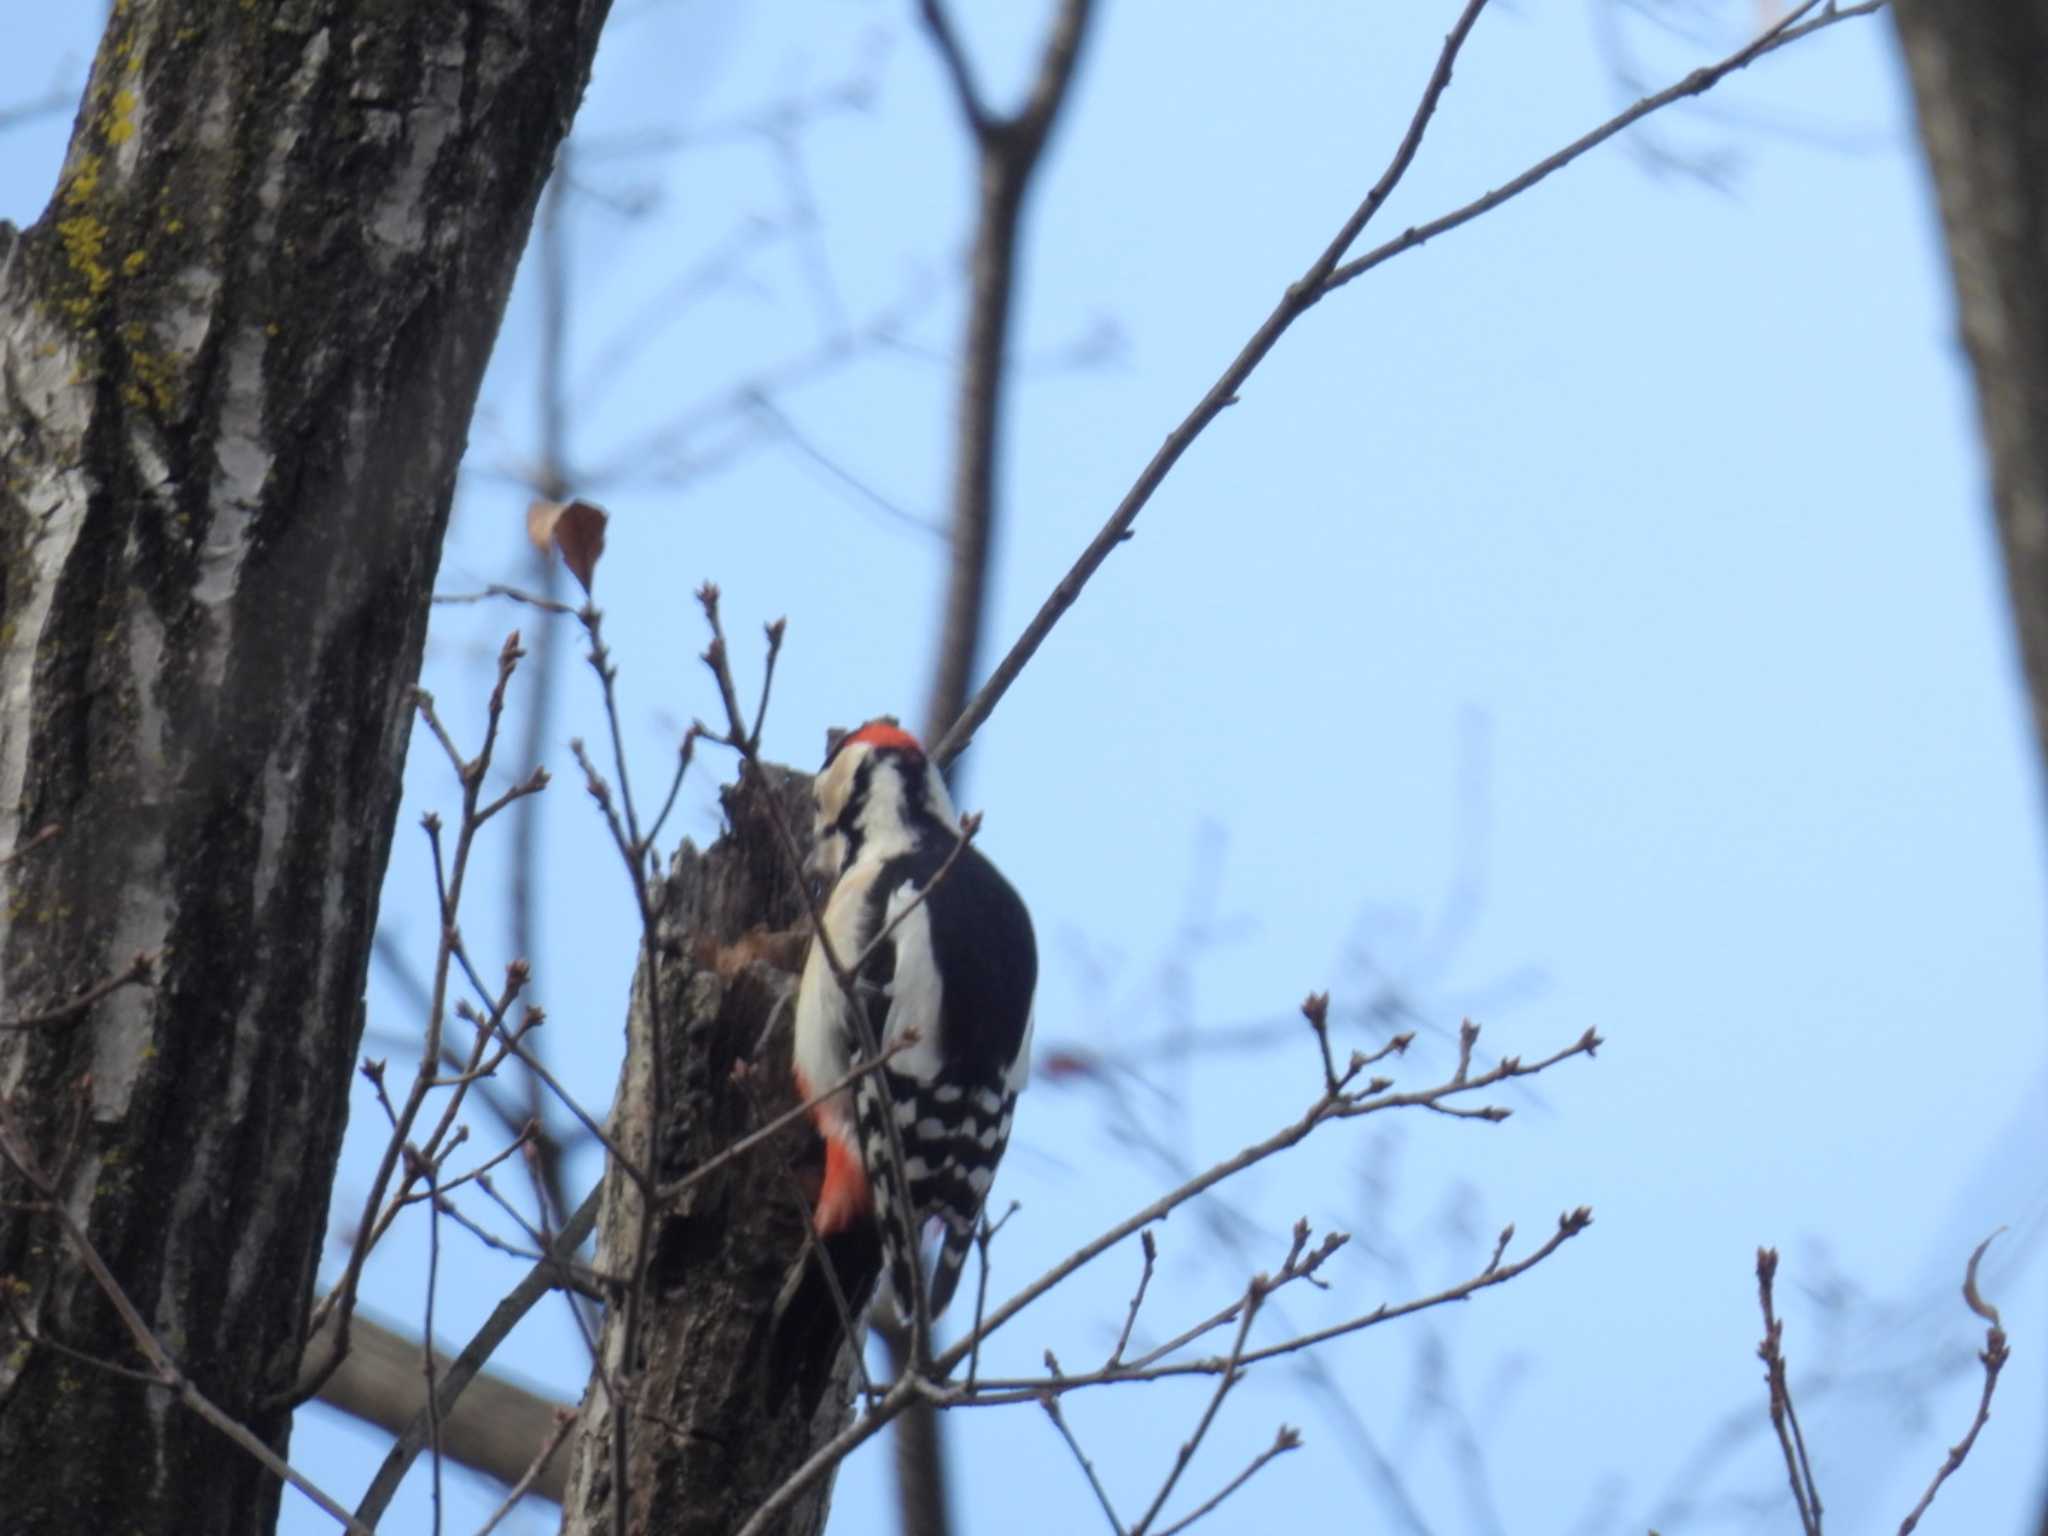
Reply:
x=959, y=73
x=140, y=972
x=1233, y=1372
x=1150, y=1247
x=427, y=1341
x=837, y=474
x=675, y=785
x=584, y=1117
x=1784, y=1420
x=1153, y=1368
x=1316, y=1009
x=1051, y=1404
x=601, y=1287
x=542, y=1278
x=1373, y=1097
x=633, y=848
x=446, y=1134
x=718, y=658
x=1801, y=21
x=471, y=774
x=766, y=1518
x=485, y=1235
x=493, y=1429
x=482, y=1169
x=461, y=1073
x=564, y=1422
x=1994, y=1355
x=541, y=1240
x=1287, y=1439
x=1500, y=1247
x=984, y=1234
x=1300, y=1264
x=388, y=952
x=511, y=594
x=773, y=632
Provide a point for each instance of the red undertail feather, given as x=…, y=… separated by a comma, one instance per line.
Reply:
x=843, y=1197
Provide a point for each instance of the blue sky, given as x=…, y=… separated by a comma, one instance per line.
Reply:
x=1590, y=619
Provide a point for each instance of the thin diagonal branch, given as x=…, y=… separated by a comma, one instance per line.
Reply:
x=1993, y=1356
x=564, y=1422
x=1298, y=299
x=1323, y=278
x=1794, y=25
x=1233, y=1372
x=1051, y=1404
x=1287, y=1439
x=140, y=972
x=959, y=73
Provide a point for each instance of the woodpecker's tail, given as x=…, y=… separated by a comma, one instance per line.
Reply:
x=952, y=1260
x=939, y=1285
x=809, y=1326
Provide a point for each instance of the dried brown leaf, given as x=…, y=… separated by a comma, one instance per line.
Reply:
x=576, y=528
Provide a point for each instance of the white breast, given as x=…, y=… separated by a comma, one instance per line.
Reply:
x=825, y=1040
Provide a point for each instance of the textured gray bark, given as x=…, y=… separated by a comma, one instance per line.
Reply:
x=238, y=356
x=716, y=1426
x=1980, y=81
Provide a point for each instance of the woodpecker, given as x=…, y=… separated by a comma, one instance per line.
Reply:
x=958, y=967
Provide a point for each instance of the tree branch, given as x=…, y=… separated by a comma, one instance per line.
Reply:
x=1008, y=151
x=1993, y=1357
x=1323, y=277
x=1344, y=1102
x=238, y=359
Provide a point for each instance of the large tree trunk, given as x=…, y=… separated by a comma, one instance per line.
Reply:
x=1980, y=81
x=723, y=1407
x=238, y=356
